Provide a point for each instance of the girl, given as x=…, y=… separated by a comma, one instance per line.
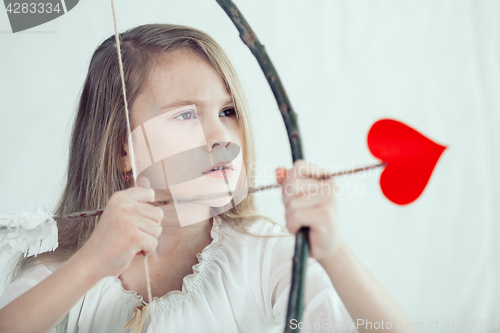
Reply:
x=221, y=272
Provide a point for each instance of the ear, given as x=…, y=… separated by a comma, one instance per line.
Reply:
x=126, y=165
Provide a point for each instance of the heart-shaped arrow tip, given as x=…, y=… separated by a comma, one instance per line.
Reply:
x=410, y=158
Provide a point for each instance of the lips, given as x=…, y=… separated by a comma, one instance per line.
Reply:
x=225, y=165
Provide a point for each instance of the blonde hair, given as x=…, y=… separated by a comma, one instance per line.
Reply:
x=99, y=130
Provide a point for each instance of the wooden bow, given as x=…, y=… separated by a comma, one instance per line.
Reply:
x=295, y=301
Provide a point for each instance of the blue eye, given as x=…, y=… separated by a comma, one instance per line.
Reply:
x=228, y=112
x=190, y=114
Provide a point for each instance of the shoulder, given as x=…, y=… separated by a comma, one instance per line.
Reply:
x=260, y=247
x=258, y=231
x=268, y=262
x=269, y=249
x=260, y=239
x=270, y=257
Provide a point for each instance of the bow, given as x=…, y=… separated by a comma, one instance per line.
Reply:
x=295, y=301
x=409, y=156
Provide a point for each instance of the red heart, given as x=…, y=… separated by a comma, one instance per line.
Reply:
x=410, y=157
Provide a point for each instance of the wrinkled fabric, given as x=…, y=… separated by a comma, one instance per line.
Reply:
x=240, y=284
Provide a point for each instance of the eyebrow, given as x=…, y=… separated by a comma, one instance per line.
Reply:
x=182, y=102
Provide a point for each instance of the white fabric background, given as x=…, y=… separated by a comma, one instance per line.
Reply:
x=434, y=65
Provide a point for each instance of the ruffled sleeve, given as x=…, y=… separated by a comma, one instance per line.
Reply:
x=324, y=310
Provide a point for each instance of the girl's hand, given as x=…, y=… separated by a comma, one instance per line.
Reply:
x=310, y=202
x=127, y=227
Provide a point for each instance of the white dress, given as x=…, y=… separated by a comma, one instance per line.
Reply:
x=240, y=284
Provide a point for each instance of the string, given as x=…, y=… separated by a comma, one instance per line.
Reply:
x=124, y=91
x=148, y=285
x=129, y=131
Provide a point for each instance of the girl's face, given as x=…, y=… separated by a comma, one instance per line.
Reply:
x=183, y=125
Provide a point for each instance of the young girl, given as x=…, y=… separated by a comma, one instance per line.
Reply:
x=225, y=272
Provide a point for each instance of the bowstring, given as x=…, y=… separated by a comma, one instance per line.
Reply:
x=131, y=149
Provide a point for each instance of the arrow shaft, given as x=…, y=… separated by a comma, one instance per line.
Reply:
x=243, y=191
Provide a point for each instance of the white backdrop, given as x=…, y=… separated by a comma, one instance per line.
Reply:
x=434, y=65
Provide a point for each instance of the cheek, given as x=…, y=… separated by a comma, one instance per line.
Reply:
x=172, y=140
x=238, y=160
x=233, y=127
x=238, y=139
x=239, y=181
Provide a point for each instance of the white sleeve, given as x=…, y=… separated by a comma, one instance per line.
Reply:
x=29, y=278
x=324, y=311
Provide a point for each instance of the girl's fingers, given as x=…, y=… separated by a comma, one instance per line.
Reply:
x=149, y=211
x=308, y=195
x=143, y=182
x=147, y=243
x=306, y=202
x=148, y=226
x=281, y=174
x=140, y=194
x=310, y=217
x=304, y=187
x=303, y=169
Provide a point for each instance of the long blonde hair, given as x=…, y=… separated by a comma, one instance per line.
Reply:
x=99, y=129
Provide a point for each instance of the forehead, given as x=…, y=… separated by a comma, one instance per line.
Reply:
x=180, y=75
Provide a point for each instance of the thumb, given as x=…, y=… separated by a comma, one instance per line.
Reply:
x=143, y=182
x=281, y=174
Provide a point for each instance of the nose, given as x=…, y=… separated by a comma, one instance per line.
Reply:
x=212, y=145
x=216, y=133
